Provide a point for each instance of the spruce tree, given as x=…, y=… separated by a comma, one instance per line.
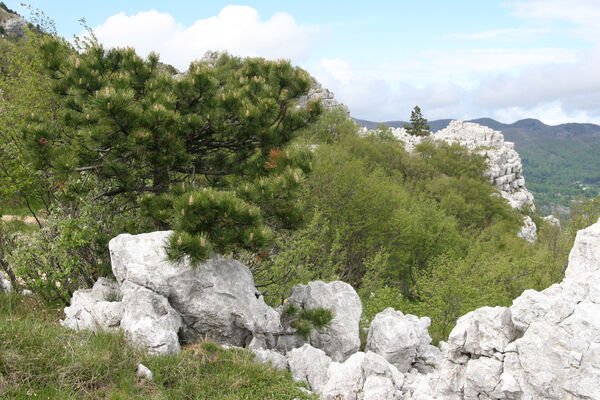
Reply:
x=205, y=152
x=418, y=124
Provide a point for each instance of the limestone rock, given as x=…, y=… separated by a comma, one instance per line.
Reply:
x=528, y=230
x=545, y=346
x=400, y=339
x=328, y=100
x=144, y=372
x=340, y=338
x=5, y=285
x=345, y=380
x=378, y=388
x=96, y=308
x=482, y=332
x=277, y=360
x=158, y=304
x=504, y=164
x=309, y=365
x=15, y=25
x=149, y=320
x=552, y=220
x=216, y=299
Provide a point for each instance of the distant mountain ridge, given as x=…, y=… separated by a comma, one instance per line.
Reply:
x=560, y=163
x=528, y=126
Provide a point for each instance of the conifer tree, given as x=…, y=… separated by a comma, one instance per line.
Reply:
x=418, y=124
x=204, y=152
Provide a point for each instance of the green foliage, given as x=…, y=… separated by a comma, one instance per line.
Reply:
x=319, y=317
x=306, y=320
x=41, y=359
x=418, y=124
x=68, y=252
x=141, y=133
x=560, y=169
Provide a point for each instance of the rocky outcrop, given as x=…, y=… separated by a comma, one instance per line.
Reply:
x=552, y=220
x=505, y=167
x=402, y=340
x=164, y=303
x=12, y=24
x=96, y=308
x=545, y=346
x=327, y=97
x=341, y=337
x=160, y=305
x=528, y=230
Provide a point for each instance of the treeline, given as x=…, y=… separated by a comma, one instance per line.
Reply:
x=98, y=142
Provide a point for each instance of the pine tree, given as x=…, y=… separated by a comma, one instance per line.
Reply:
x=418, y=124
x=203, y=153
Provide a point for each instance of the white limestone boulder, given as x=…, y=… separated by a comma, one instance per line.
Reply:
x=216, y=299
x=528, y=230
x=272, y=357
x=340, y=338
x=310, y=365
x=5, y=285
x=401, y=339
x=482, y=332
x=345, y=380
x=95, y=309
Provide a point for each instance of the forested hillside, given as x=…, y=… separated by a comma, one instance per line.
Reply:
x=559, y=162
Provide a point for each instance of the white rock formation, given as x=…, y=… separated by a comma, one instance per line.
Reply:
x=505, y=167
x=272, y=357
x=309, y=365
x=528, y=230
x=403, y=340
x=96, y=308
x=162, y=303
x=341, y=337
x=552, y=220
x=144, y=372
x=545, y=346
x=5, y=285
x=328, y=100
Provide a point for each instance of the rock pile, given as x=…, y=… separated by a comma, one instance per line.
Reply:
x=545, y=346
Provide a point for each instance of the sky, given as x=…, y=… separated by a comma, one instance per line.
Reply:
x=504, y=59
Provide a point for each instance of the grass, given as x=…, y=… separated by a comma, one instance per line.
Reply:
x=39, y=359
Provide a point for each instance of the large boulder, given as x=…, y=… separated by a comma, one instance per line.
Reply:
x=309, y=365
x=403, y=340
x=340, y=338
x=162, y=303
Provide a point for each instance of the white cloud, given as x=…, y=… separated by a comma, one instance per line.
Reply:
x=583, y=14
x=236, y=29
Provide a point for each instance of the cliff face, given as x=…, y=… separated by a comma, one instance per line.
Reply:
x=12, y=24
x=505, y=168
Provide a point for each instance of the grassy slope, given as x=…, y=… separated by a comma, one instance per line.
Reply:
x=40, y=359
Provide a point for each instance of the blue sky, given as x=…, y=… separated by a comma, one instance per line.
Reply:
x=456, y=59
